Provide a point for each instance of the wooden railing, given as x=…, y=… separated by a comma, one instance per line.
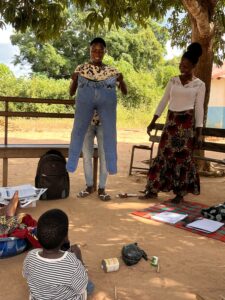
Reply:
x=8, y=150
x=207, y=145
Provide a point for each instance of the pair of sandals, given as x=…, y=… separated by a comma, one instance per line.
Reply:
x=102, y=195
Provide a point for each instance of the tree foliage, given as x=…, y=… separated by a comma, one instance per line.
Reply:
x=142, y=47
x=145, y=89
x=47, y=19
x=5, y=71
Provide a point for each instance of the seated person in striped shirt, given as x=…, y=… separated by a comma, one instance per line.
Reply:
x=50, y=272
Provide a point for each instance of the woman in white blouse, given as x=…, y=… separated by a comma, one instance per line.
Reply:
x=174, y=168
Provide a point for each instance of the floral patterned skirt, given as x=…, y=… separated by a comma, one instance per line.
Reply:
x=174, y=168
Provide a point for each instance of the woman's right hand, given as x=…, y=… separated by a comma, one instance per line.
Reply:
x=150, y=127
x=152, y=124
x=73, y=83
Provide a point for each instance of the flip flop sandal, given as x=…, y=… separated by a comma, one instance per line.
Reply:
x=84, y=194
x=104, y=197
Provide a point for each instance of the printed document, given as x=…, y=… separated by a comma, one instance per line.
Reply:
x=25, y=190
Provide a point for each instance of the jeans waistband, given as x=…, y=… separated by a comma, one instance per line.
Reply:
x=107, y=83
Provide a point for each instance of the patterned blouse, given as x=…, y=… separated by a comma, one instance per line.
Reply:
x=96, y=73
x=95, y=120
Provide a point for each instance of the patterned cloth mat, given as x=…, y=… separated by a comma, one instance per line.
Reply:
x=193, y=209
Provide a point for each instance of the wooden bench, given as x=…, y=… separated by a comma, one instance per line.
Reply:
x=208, y=145
x=8, y=151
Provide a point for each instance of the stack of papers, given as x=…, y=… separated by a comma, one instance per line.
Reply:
x=28, y=195
x=205, y=225
x=169, y=217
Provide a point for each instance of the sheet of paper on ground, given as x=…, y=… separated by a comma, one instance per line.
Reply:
x=27, y=194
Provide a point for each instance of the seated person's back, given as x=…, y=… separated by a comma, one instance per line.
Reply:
x=50, y=272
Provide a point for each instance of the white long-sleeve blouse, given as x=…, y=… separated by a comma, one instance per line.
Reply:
x=184, y=97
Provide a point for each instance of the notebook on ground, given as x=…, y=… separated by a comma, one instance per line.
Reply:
x=169, y=217
x=205, y=225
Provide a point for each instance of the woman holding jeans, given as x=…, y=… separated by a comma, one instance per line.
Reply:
x=95, y=83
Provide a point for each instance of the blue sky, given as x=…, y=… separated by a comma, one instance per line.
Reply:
x=7, y=52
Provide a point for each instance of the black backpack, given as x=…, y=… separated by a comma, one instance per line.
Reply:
x=131, y=254
x=52, y=174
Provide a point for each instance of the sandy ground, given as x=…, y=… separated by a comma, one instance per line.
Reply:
x=190, y=265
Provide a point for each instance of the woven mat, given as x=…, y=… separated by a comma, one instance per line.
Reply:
x=193, y=209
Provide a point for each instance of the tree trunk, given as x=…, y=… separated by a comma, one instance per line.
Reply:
x=204, y=71
x=205, y=64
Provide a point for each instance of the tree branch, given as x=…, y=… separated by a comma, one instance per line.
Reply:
x=212, y=3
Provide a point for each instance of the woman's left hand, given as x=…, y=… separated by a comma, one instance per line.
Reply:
x=198, y=138
x=198, y=141
x=122, y=84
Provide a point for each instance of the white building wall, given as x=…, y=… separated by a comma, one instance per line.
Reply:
x=217, y=93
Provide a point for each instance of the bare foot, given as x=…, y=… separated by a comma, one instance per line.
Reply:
x=12, y=206
x=178, y=199
x=148, y=195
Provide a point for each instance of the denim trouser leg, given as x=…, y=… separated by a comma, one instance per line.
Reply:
x=88, y=154
x=107, y=113
x=90, y=287
x=102, y=97
x=83, y=115
x=103, y=174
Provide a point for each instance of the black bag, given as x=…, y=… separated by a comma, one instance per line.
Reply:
x=216, y=212
x=131, y=254
x=52, y=174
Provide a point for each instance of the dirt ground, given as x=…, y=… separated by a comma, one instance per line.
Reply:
x=191, y=266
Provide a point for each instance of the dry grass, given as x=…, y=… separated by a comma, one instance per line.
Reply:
x=59, y=129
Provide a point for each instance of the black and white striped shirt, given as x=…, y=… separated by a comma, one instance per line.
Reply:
x=63, y=278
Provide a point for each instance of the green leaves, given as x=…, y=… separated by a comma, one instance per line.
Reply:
x=46, y=18
x=58, y=59
x=5, y=71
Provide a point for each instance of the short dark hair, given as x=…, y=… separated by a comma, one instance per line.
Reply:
x=194, y=51
x=52, y=228
x=98, y=40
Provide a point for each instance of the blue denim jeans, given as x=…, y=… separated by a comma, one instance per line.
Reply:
x=90, y=287
x=91, y=96
x=88, y=147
